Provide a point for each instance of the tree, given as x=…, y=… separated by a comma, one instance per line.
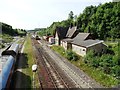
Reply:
x=71, y=17
x=71, y=55
x=75, y=20
x=103, y=20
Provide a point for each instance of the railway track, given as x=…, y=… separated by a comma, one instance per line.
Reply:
x=77, y=76
x=49, y=76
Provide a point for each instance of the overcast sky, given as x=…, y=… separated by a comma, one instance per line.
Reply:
x=30, y=14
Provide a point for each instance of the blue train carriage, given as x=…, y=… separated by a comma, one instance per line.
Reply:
x=12, y=50
x=7, y=68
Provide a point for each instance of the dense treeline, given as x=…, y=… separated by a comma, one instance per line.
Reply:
x=103, y=21
x=7, y=29
x=50, y=30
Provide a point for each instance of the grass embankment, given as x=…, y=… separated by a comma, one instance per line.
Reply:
x=98, y=75
x=30, y=60
x=5, y=39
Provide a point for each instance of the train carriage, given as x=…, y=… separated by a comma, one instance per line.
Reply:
x=7, y=65
x=12, y=50
x=7, y=71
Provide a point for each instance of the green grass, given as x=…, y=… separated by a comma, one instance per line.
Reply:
x=98, y=75
x=111, y=43
x=28, y=50
x=6, y=38
x=104, y=79
x=59, y=49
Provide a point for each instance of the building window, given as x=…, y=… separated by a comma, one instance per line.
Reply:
x=83, y=49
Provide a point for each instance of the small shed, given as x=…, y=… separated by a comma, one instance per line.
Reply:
x=82, y=47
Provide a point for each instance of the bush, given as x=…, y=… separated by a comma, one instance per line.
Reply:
x=75, y=57
x=110, y=51
x=116, y=71
x=89, y=57
x=105, y=63
x=71, y=55
x=95, y=62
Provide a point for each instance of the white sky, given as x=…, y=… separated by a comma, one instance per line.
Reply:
x=30, y=14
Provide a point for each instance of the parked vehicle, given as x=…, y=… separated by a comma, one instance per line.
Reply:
x=9, y=57
x=37, y=38
x=6, y=73
x=12, y=50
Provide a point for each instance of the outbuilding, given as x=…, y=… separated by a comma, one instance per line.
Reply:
x=82, y=47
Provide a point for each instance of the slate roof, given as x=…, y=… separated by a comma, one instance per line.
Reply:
x=81, y=36
x=86, y=43
x=71, y=31
x=61, y=32
x=82, y=39
x=67, y=40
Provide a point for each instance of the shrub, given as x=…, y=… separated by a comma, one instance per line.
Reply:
x=71, y=55
x=106, y=63
x=95, y=62
x=89, y=57
x=75, y=57
x=116, y=70
x=110, y=51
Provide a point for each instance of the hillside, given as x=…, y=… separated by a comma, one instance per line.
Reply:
x=103, y=21
x=7, y=29
x=7, y=33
